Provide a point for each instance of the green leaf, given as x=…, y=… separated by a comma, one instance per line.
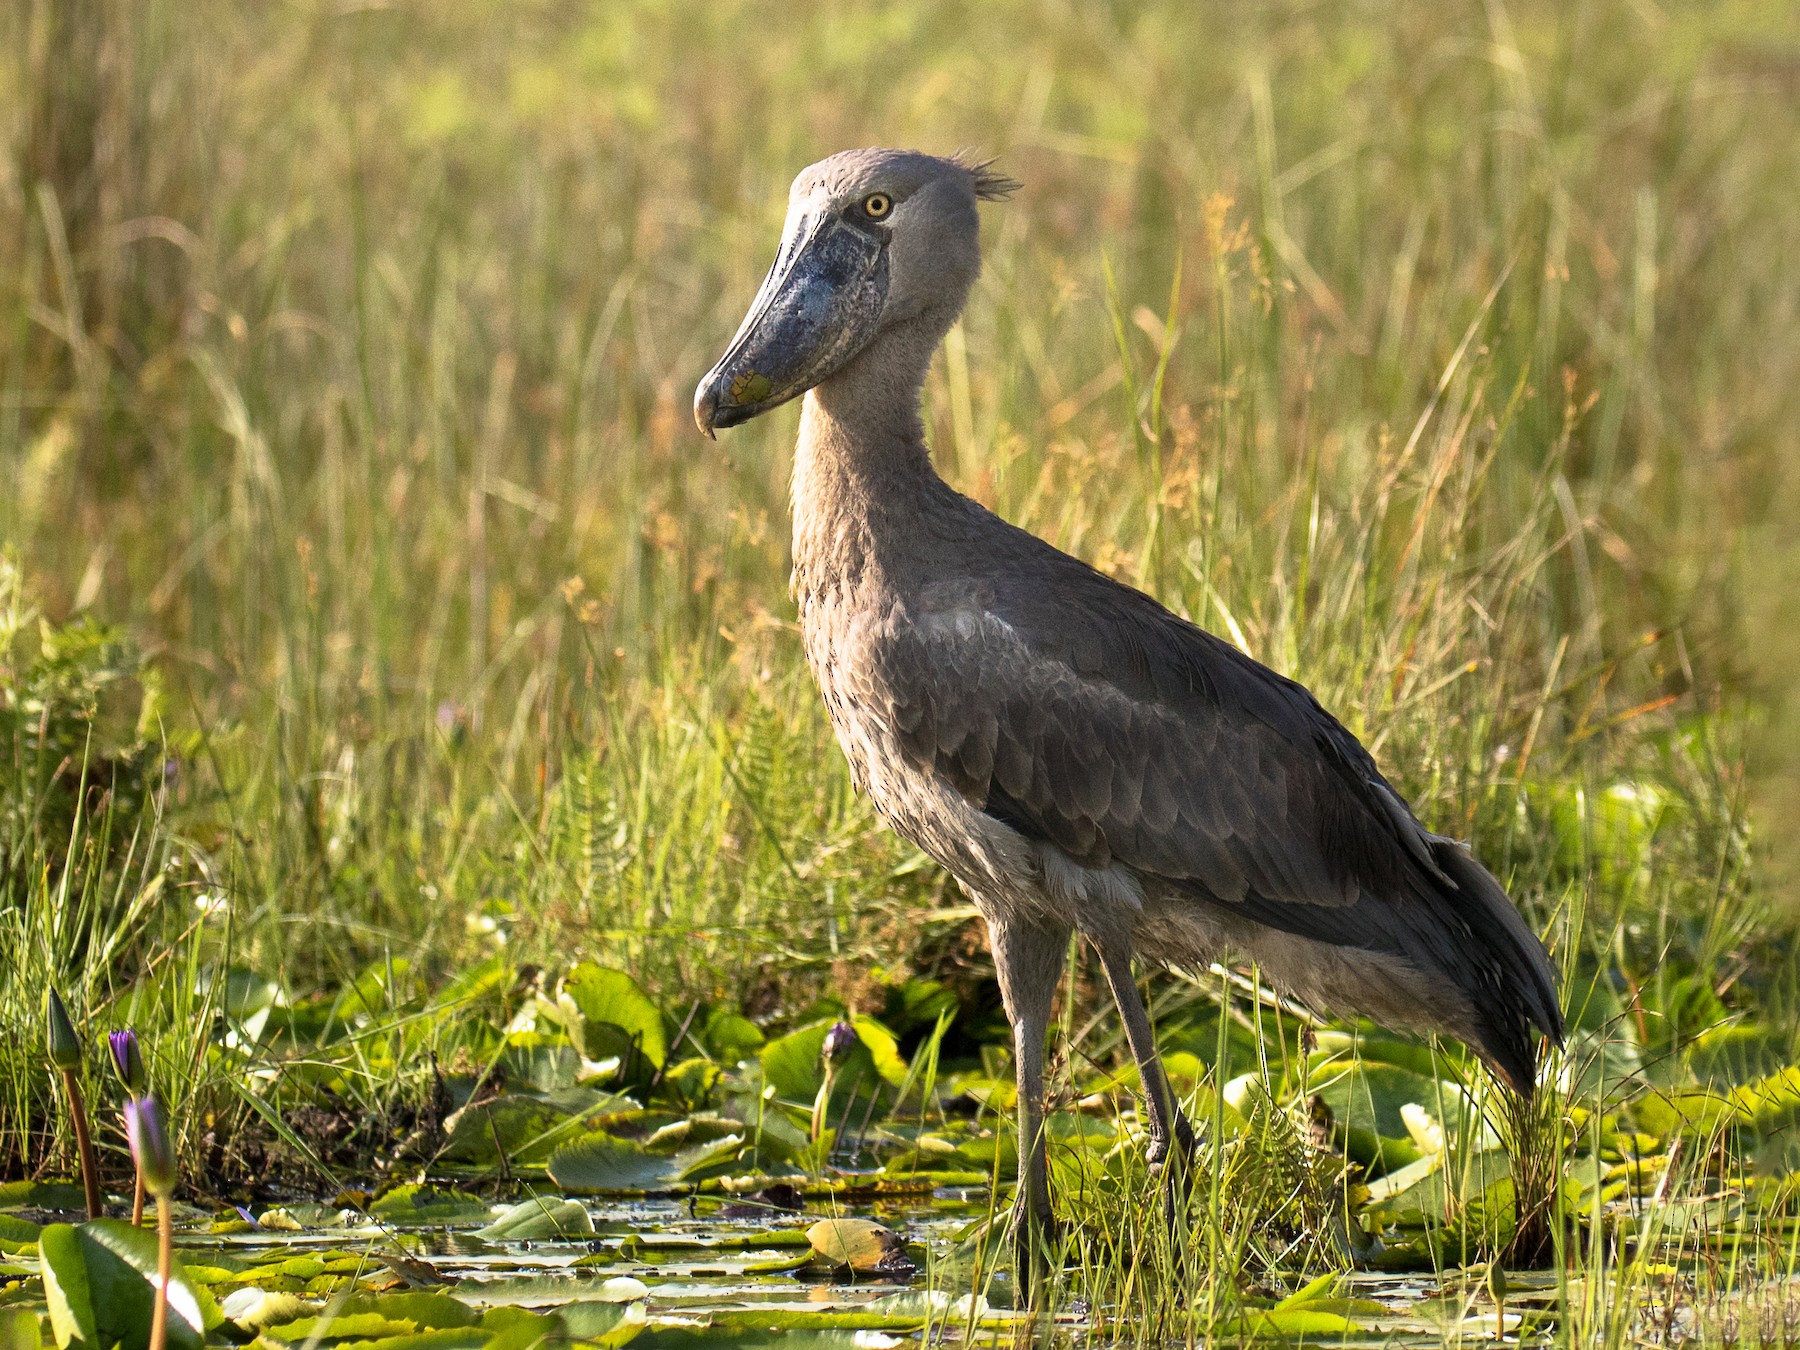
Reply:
x=1432, y=1187
x=42, y=1195
x=861, y=1244
x=19, y=1329
x=611, y=1015
x=1325, y=1286
x=1286, y=1323
x=1370, y=1097
x=16, y=1234
x=423, y=1205
x=731, y=1038
x=564, y=1289
x=602, y=1163
x=599, y=1162
x=1338, y=1048
x=603, y=1323
x=691, y=1082
x=883, y=1050
x=371, y=993
x=66, y=1287
x=98, y=1283
x=344, y=1326
x=528, y=1126
x=537, y=1219
x=792, y=1064
x=254, y=1308
x=429, y=1311
x=1375, y=1154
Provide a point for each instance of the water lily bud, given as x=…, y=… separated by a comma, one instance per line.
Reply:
x=150, y=1146
x=839, y=1041
x=1496, y=1281
x=64, y=1044
x=129, y=1061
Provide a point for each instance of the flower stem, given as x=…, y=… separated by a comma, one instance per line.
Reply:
x=165, y=1261
x=84, y=1145
x=137, y=1202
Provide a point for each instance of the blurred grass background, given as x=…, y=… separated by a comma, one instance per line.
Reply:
x=1446, y=357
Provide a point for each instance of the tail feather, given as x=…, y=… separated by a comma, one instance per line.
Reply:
x=1521, y=990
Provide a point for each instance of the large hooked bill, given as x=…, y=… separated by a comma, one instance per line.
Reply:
x=820, y=303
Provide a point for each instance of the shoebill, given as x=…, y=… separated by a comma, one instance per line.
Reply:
x=1078, y=757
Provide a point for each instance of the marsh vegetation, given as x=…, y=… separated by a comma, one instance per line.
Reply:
x=403, y=726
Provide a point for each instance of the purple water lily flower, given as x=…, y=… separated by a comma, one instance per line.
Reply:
x=839, y=1041
x=150, y=1146
x=129, y=1061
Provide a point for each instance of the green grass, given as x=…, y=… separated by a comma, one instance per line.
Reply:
x=399, y=621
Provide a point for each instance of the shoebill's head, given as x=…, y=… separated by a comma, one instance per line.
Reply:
x=873, y=239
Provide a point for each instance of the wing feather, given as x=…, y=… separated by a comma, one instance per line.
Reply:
x=1087, y=716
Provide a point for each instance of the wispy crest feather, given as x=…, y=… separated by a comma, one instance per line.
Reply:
x=990, y=184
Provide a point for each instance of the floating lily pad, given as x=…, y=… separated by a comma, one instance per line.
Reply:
x=539, y=1218
x=42, y=1195
x=418, y=1205
x=1286, y=1324
x=526, y=1126
x=254, y=1308
x=603, y=1163
x=99, y=1284
x=343, y=1326
x=861, y=1244
x=16, y=1234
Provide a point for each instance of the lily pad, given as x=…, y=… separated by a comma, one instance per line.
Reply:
x=539, y=1218
x=730, y=1037
x=19, y=1329
x=16, y=1234
x=254, y=1308
x=421, y=1205
x=1434, y=1186
x=861, y=1244
x=602, y=1163
x=99, y=1284
x=1286, y=1324
x=1372, y=1097
x=527, y=1126
x=610, y=1015
x=42, y=1195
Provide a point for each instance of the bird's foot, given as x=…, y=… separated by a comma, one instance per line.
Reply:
x=1168, y=1146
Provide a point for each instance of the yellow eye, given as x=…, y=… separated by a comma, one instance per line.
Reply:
x=877, y=204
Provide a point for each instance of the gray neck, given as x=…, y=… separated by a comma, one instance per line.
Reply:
x=861, y=460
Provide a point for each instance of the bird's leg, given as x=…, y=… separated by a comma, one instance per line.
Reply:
x=1167, y=1127
x=1029, y=958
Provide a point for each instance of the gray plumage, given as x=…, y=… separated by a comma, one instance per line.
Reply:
x=1077, y=756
